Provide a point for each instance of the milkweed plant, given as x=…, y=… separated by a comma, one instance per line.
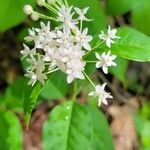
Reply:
x=66, y=46
x=70, y=54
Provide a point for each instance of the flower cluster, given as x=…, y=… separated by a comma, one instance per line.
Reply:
x=64, y=47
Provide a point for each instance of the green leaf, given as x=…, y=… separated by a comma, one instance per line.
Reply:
x=145, y=135
x=119, y=7
x=68, y=126
x=120, y=70
x=95, y=12
x=11, y=13
x=138, y=14
x=102, y=138
x=133, y=45
x=30, y=98
x=10, y=132
x=56, y=87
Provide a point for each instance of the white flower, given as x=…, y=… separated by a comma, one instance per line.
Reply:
x=62, y=47
x=102, y=95
x=27, y=52
x=74, y=70
x=45, y=43
x=73, y=75
x=76, y=52
x=34, y=77
x=45, y=30
x=41, y=77
x=108, y=38
x=35, y=70
x=28, y=9
x=36, y=64
x=32, y=35
x=45, y=37
x=105, y=61
x=83, y=39
x=65, y=16
x=81, y=13
x=64, y=38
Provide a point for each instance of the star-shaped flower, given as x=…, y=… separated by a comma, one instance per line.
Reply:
x=27, y=52
x=109, y=37
x=81, y=13
x=105, y=60
x=83, y=39
x=102, y=95
x=36, y=76
x=74, y=70
x=65, y=16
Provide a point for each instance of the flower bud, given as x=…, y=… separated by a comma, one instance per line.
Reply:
x=51, y=1
x=34, y=16
x=40, y=2
x=28, y=9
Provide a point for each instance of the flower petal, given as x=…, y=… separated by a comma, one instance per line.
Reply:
x=99, y=101
x=98, y=64
x=108, y=42
x=87, y=46
x=105, y=69
x=105, y=101
x=70, y=78
x=91, y=93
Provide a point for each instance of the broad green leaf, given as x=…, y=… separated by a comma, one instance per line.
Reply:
x=68, y=126
x=140, y=16
x=119, y=7
x=11, y=12
x=133, y=45
x=56, y=87
x=120, y=70
x=10, y=132
x=95, y=12
x=102, y=138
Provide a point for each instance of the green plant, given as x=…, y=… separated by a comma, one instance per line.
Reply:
x=55, y=73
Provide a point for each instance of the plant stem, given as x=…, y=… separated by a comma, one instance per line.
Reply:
x=89, y=79
x=86, y=54
x=81, y=23
x=60, y=2
x=55, y=5
x=90, y=61
x=51, y=8
x=52, y=71
x=66, y=3
x=75, y=86
x=46, y=17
